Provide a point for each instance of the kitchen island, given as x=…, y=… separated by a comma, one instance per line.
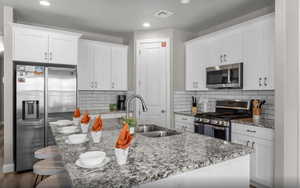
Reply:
x=184, y=160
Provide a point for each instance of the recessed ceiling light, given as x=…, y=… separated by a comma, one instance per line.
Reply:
x=185, y=1
x=45, y=3
x=146, y=24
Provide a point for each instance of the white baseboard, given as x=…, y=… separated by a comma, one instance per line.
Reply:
x=7, y=168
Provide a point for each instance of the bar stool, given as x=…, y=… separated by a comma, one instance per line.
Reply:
x=49, y=152
x=47, y=167
x=57, y=181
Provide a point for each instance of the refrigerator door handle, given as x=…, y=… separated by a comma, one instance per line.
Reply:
x=46, y=108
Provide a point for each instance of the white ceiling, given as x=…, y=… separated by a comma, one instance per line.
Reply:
x=123, y=16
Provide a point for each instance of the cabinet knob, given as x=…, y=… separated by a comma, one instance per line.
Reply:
x=51, y=56
x=247, y=143
x=221, y=58
x=225, y=60
x=46, y=55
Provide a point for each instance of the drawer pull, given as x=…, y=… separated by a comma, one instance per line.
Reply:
x=184, y=119
x=250, y=131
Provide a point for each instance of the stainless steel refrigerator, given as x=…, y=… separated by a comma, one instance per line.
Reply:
x=42, y=94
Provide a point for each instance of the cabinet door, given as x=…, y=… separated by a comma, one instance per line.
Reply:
x=263, y=169
x=102, y=67
x=85, y=66
x=268, y=33
x=253, y=56
x=119, y=68
x=226, y=47
x=196, y=63
x=63, y=49
x=30, y=45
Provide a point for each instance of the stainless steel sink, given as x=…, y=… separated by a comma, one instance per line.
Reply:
x=156, y=134
x=148, y=128
x=151, y=130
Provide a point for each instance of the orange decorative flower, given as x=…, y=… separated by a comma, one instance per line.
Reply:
x=76, y=113
x=125, y=138
x=98, y=124
x=86, y=118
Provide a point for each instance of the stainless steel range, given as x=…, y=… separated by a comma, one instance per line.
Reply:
x=218, y=124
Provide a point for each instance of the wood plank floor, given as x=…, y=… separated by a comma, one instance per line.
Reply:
x=13, y=180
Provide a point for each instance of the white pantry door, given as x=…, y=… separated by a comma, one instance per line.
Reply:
x=152, y=82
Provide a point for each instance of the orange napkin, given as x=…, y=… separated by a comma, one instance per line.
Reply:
x=125, y=138
x=76, y=113
x=86, y=118
x=98, y=124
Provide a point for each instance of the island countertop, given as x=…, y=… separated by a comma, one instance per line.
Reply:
x=149, y=159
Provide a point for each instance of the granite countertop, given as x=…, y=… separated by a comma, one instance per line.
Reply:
x=185, y=113
x=149, y=160
x=264, y=123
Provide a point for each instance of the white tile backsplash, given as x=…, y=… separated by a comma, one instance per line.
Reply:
x=183, y=99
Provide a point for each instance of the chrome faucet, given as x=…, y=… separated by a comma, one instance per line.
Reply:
x=128, y=102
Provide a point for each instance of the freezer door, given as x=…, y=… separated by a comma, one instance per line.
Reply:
x=61, y=93
x=29, y=114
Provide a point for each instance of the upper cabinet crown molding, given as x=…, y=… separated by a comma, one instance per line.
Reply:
x=251, y=43
x=43, y=45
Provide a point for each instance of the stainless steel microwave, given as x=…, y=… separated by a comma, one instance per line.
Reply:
x=225, y=76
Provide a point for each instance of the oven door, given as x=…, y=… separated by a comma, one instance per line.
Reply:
x=213, y=131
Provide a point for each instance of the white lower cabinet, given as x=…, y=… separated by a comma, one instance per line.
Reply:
x=261, y=162
x=184, y=123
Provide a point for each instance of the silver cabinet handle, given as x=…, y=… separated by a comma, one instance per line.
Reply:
x=92, y=85
x=265, y=81
x=51, y=56
x=46, y=55
x=221, y=58
x=259, y=82
x=225, y=60
x=247, y=143
x=253, y=144
x=250, y=131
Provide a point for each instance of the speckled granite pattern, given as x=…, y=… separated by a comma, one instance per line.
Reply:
x=149, y=160
x=264, y=123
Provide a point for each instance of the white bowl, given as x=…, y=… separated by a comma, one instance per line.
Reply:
x=77, y=138
x=92, y=158
x=68, y=130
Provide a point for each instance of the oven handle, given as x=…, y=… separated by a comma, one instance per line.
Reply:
x=212, y=126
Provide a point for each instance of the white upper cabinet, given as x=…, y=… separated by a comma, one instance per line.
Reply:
x=226, y=47
x=63, y=49
x=30, y=45
x=102, y=66
x=258, y=46
x=85, y=66
x=197, y=59
x=41, y=45
x=251, y=43
x=119, y=68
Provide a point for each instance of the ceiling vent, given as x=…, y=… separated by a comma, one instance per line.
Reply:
x=163, y=14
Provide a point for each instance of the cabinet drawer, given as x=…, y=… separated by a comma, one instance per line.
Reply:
x=184, y=119
x=258, y=132
x=184, y=127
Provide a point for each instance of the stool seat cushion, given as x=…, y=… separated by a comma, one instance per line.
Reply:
x=56, y=181
x=48, y=167
x=49, y=152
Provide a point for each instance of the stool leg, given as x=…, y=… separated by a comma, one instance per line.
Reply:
x=36, y=180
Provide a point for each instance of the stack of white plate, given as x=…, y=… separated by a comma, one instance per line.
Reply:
x=92, y=159
x=77, y=139
x=62, y=123
x=68, y=130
